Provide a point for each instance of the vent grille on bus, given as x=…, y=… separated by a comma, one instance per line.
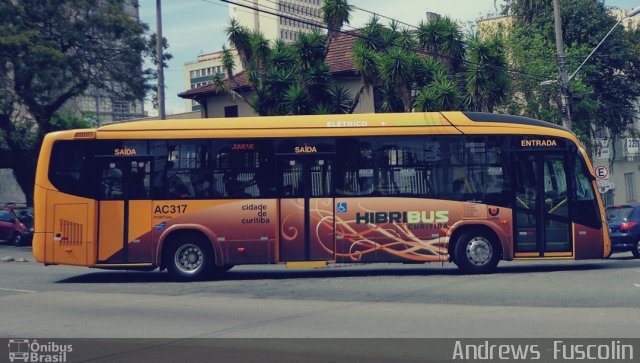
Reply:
x=71, y=233
x=85, y=135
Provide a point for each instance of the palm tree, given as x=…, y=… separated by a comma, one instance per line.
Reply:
x=406, y=39
x=310, y=49
x=335, y=13
x=316, y=82
x=260, y=48
x=485, y=74
x=396, y=69
x=228, y=64
x=296, y=100
x=240, y=38
x=372, y=35
x=341, y=101
x=366, y=63
x=441, y=94
x=443, y=38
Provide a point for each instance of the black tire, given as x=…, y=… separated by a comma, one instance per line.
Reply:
x=189, y=258
x=16, y=240
x=636, y=250
x=218, y=271
x=225, y=268
x=477, y=252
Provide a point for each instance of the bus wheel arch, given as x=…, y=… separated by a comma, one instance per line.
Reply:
x=188, y=254
x=475, y=248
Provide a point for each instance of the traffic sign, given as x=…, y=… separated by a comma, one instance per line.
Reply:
x=602, y=172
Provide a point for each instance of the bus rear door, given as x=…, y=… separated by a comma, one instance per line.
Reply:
x=306, y=207
x=124, y=210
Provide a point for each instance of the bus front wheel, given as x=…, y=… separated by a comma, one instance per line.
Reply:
x=636, y=249
x=189, y=258
x=476, y=252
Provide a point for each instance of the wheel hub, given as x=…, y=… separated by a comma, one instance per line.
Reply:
x=479, y=251
x=189, y=258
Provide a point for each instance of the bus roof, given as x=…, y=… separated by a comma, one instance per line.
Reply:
x=410, y=119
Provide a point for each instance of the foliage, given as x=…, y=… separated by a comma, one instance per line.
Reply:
x=287, y=79
x=605, y=89
x=52, y=51
x=430, y=69
x=335, y=13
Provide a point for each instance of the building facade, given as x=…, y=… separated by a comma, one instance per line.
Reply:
x=202, y=71
x=107, y=106
x=278, y=19
x=275, y=19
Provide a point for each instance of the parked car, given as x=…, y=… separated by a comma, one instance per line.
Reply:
x=624, y=228
x=16, y=224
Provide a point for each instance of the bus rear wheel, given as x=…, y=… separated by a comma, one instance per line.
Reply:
x=476, y=252
x=189, y=258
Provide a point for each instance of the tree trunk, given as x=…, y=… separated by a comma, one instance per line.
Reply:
x=24, y=169
x=356, y=98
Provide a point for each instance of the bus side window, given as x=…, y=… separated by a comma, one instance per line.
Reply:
x=355, y=167
x=186, y=168
x=585, y=206
x=111, y=182
x=243, y=169
x=72, y=168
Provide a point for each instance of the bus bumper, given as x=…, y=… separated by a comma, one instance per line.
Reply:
x=38, y=246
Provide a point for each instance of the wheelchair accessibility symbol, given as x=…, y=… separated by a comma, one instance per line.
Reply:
x=342, y=207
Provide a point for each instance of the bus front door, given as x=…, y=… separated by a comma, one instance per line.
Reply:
x=306, y=208
x=124, y=210
x=542, y=225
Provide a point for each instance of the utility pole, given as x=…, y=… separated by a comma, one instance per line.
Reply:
x=563, y=80
x=159, y=56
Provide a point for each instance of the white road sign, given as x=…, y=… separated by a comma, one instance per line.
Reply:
x=602, y=172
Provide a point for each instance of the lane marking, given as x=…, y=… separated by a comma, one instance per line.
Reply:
x=18, y=290
x=637, y=285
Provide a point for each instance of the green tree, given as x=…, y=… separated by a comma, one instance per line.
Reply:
x=51, y=52
x=443, y=36
x=287, y=79
x=432, y=68
x=335, y=13
x=487, y=83
x=240, y=38
x=603, y=93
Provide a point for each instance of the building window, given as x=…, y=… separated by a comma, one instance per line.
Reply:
x=607, y=198
x=630, y=185
x=231, y=111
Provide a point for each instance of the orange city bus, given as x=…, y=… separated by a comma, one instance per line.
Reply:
x=200, y=196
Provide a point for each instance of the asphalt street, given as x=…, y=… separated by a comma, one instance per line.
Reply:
x=595, y=298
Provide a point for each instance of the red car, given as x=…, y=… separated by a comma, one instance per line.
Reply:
x=16, y=224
